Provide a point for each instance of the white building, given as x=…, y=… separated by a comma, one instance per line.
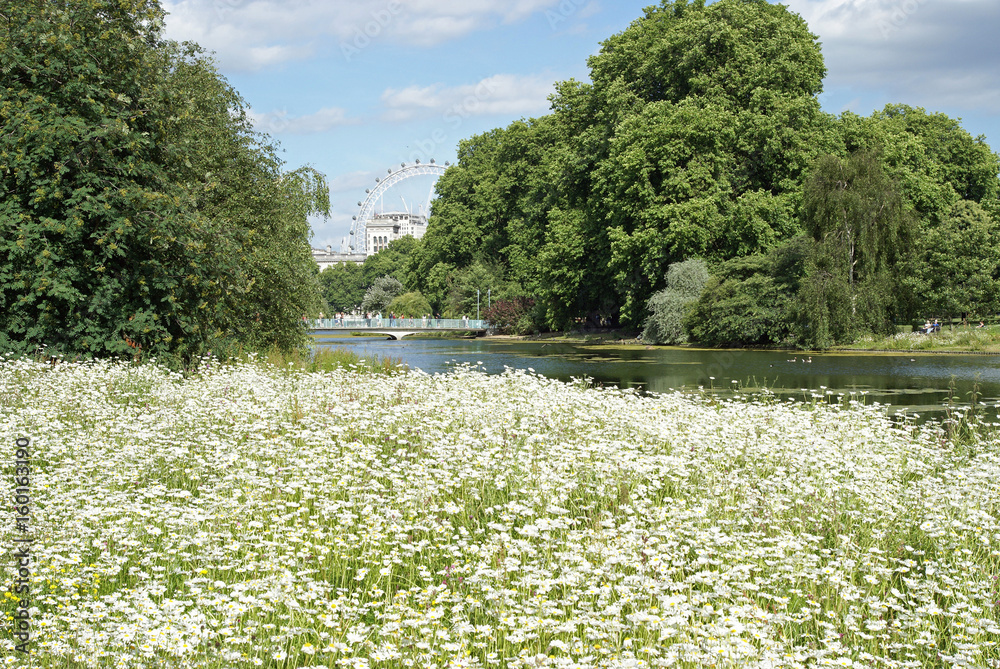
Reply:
x=327, y=257
x=390, y=226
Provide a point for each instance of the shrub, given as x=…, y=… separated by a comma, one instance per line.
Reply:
x=513, y=316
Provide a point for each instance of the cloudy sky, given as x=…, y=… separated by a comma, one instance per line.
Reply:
x=353, y=87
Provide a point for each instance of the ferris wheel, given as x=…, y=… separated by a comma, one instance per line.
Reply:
x=359, y=225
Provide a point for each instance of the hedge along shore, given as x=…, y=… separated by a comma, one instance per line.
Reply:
x=248, y=515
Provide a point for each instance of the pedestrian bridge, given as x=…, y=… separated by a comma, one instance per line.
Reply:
x=395, y=328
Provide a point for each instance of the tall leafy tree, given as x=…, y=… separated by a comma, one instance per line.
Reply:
x=861, y=225
x=99, y=250
x=140, y=212
x=715, y=116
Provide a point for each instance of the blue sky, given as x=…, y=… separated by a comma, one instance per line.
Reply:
x=353, y=87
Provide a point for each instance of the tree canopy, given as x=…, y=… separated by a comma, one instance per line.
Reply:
x=141, y=212
x=700, y=134
x=691, y=140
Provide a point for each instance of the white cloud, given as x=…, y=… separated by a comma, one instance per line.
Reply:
x=931, y=53
x=279, y=122
x=253, y=34
x=500, y=94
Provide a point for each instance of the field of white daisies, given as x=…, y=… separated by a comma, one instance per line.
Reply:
x=246, y=515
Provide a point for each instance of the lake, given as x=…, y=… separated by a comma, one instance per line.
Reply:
x=916, y=382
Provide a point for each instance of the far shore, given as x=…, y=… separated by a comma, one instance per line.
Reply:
x=956, y=339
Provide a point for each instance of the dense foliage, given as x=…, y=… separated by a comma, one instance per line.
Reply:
x=751, y=300
x=141, y=214
x=409, y=305
x=343, y=287
x=511, y=316
x=700, y=135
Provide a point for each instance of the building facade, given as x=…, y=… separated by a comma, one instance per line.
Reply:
x=390, y=226
x=381, y=230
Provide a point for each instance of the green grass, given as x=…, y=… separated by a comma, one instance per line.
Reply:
x=328, y=359
x=957, y=339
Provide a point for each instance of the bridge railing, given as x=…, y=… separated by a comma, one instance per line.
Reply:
x=356, y=323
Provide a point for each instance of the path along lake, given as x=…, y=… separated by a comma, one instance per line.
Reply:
x=915, y=382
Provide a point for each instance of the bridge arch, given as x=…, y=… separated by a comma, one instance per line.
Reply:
x=359, y=226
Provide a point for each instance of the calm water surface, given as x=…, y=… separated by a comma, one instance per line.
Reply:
x=918, y=383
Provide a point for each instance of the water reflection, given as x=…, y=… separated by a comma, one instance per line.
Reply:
x=916, y=382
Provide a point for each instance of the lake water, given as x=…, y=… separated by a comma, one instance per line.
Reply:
x=916, y=382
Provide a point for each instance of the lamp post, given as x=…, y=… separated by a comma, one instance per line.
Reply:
x=477, y=304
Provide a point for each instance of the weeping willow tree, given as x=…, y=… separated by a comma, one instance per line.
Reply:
x=861, y=227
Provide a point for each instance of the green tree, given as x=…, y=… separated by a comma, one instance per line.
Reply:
x=436, y=285
x=234, y=177
x=933, y=159
x=469, y=288
x=410, y=305
x=394, y=261
x=141, y=212
x=380, y=294
x=491, y=209
x=751, y=300
x=958, y=268
x=667, y=308
x=861, y=224
x=342, y=286
x=715, y=117
x=100, y=252
x=827, y=310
